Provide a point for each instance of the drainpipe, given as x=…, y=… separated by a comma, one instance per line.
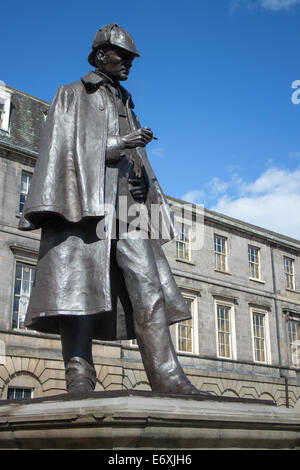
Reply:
x=277, y=330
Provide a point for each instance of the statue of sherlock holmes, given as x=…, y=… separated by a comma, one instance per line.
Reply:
x=95, y=279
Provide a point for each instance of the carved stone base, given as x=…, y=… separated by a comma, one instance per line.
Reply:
x=146, y=420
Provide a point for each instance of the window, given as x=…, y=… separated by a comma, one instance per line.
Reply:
x=294, y=341
x=254, y=262
x=2, y=112
x=261, y=351
x=225, y=330
x=289, y=273
x=220, y=245
x=5, y=98
x=15, y=393
x=24, y=278
x=183, y=245
x=186, y=331
x=25, y=184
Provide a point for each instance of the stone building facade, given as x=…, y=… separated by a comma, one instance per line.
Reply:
x=242, y=284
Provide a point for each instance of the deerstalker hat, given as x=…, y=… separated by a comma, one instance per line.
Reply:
x=112, y=35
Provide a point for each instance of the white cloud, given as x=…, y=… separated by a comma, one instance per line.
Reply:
x=294, y=155
x=276, y=5
x=272, y=5
x=271, y=201
x=212, y=190
x=274, y=180
x=194, y=197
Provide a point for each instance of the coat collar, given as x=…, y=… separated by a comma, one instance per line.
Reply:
x=92, y=81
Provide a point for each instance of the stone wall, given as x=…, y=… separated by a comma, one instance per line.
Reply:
x=35, y=361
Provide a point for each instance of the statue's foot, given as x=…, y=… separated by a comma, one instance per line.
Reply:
x=80, y=376
x=189, y=389
x=179, y=385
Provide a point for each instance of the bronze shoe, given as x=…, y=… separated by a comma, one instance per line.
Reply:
x=80, y=376
x=178, y=384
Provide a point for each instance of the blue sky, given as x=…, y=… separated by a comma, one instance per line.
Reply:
x=213, y=82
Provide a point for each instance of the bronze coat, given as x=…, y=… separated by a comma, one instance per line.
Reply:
x=71, y=189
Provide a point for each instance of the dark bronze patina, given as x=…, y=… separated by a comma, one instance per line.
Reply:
x=89, y=287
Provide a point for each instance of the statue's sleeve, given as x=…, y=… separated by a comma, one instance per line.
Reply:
x=114, y=149
x=53, y=188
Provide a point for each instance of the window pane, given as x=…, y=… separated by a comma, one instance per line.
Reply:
x=289, y=273
x=19, y=270
x=259, y=337
x=185, y=331
x=27, y=393
x=18, y=393
x=254, y=262
x=224, y=330
x=183, y=244
x=1, y=113
x=24, y=279
x=294, y=342
x=10, y=393
x=220, y=253
x=25, y=184
x=14, y=393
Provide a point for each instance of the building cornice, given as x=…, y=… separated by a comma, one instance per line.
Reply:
x=267, y=236
x=18, y=150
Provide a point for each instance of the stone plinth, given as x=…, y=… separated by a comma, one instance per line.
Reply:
x=145, y=420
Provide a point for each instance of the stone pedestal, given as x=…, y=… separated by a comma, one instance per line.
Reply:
x=144, y=420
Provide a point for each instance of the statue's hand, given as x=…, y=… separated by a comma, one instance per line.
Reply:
x=138, y=189
x=138, y=138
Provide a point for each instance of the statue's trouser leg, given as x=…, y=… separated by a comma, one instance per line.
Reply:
x=165, y=374
x=76, y=338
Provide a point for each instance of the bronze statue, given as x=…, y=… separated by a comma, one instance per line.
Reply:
x=92, y=156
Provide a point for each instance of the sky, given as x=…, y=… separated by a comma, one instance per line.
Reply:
x=214, y=82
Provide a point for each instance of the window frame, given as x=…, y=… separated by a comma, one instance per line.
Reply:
x=267, y=344
x=2, y=110
x=232, y=343
x=29, y=174
x=25, y=256
x=292, y=260
x=187, y=243
x=253, y=262
x=31, y=265
x=291, y=320
x=20, y=388
x=217, y=253
x=5, y=99
x=194, y=335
